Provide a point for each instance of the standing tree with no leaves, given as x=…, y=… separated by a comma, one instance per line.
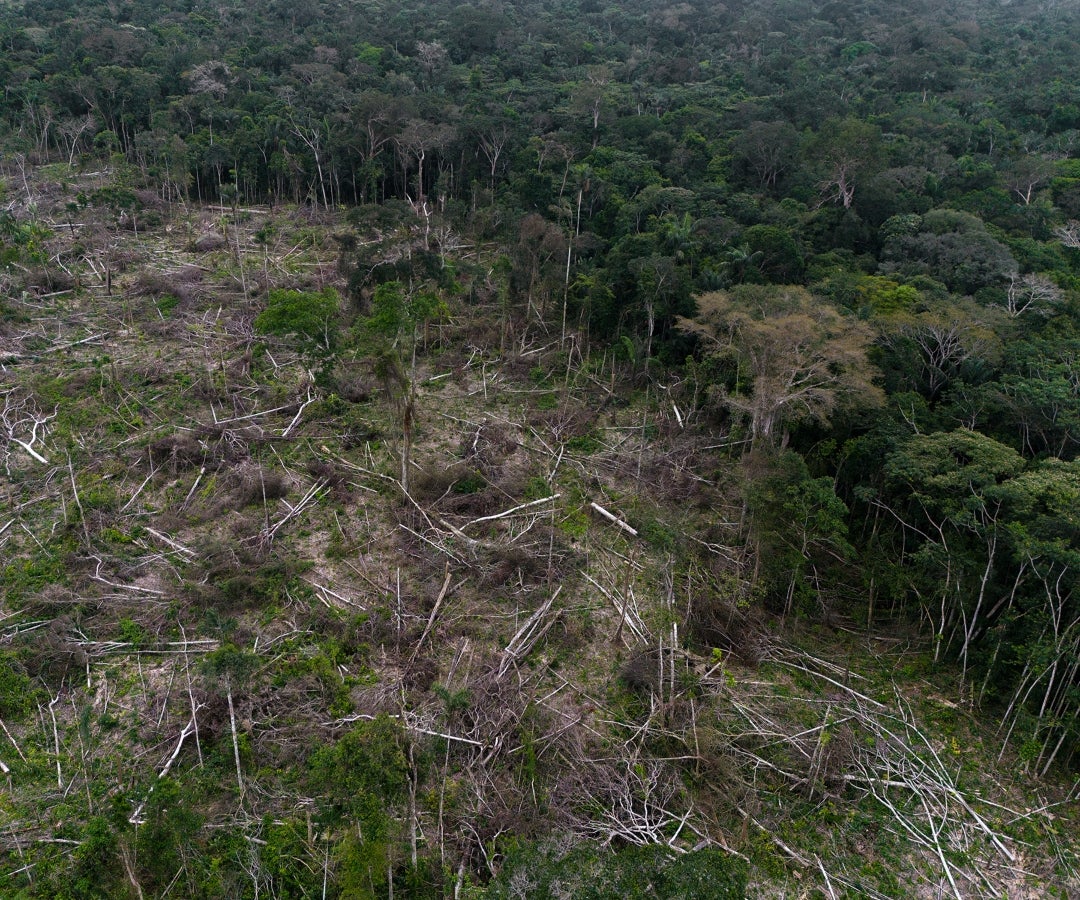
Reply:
x=400, y=318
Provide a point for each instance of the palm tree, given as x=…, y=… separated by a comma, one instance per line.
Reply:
x=737, y=261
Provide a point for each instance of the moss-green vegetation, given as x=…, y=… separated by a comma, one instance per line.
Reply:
x=544, y=872
x=606, y=451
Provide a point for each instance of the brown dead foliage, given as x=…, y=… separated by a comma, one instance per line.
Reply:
x=433, y=485
x=185, y=283
x=208, y=242
x=176, y=452
x=472, y=504
x=723, y=622
x=488, y=446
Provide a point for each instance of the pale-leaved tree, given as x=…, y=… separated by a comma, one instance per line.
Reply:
x=796, y=357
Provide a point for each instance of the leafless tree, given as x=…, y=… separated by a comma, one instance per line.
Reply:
x=23, y=425
x=1069, y=234
x=941, y=341
x=1032, y=293
x=1027, y=175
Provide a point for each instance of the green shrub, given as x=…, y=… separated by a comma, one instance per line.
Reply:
x=98, y=873
x=584, y=443
x=166, y=836
x=304, y=315
x=659, y=535
x=17, y=695
x=470, y=483
x=367, y=763
x=537, y=488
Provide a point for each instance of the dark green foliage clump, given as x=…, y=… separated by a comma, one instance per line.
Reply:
x=17, y=693
x=306, y=316
x=170, y=827
x=362, y=778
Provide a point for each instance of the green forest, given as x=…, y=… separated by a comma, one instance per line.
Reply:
x=539, y=448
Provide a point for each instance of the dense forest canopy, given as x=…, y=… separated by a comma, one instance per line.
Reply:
x=816, y=264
